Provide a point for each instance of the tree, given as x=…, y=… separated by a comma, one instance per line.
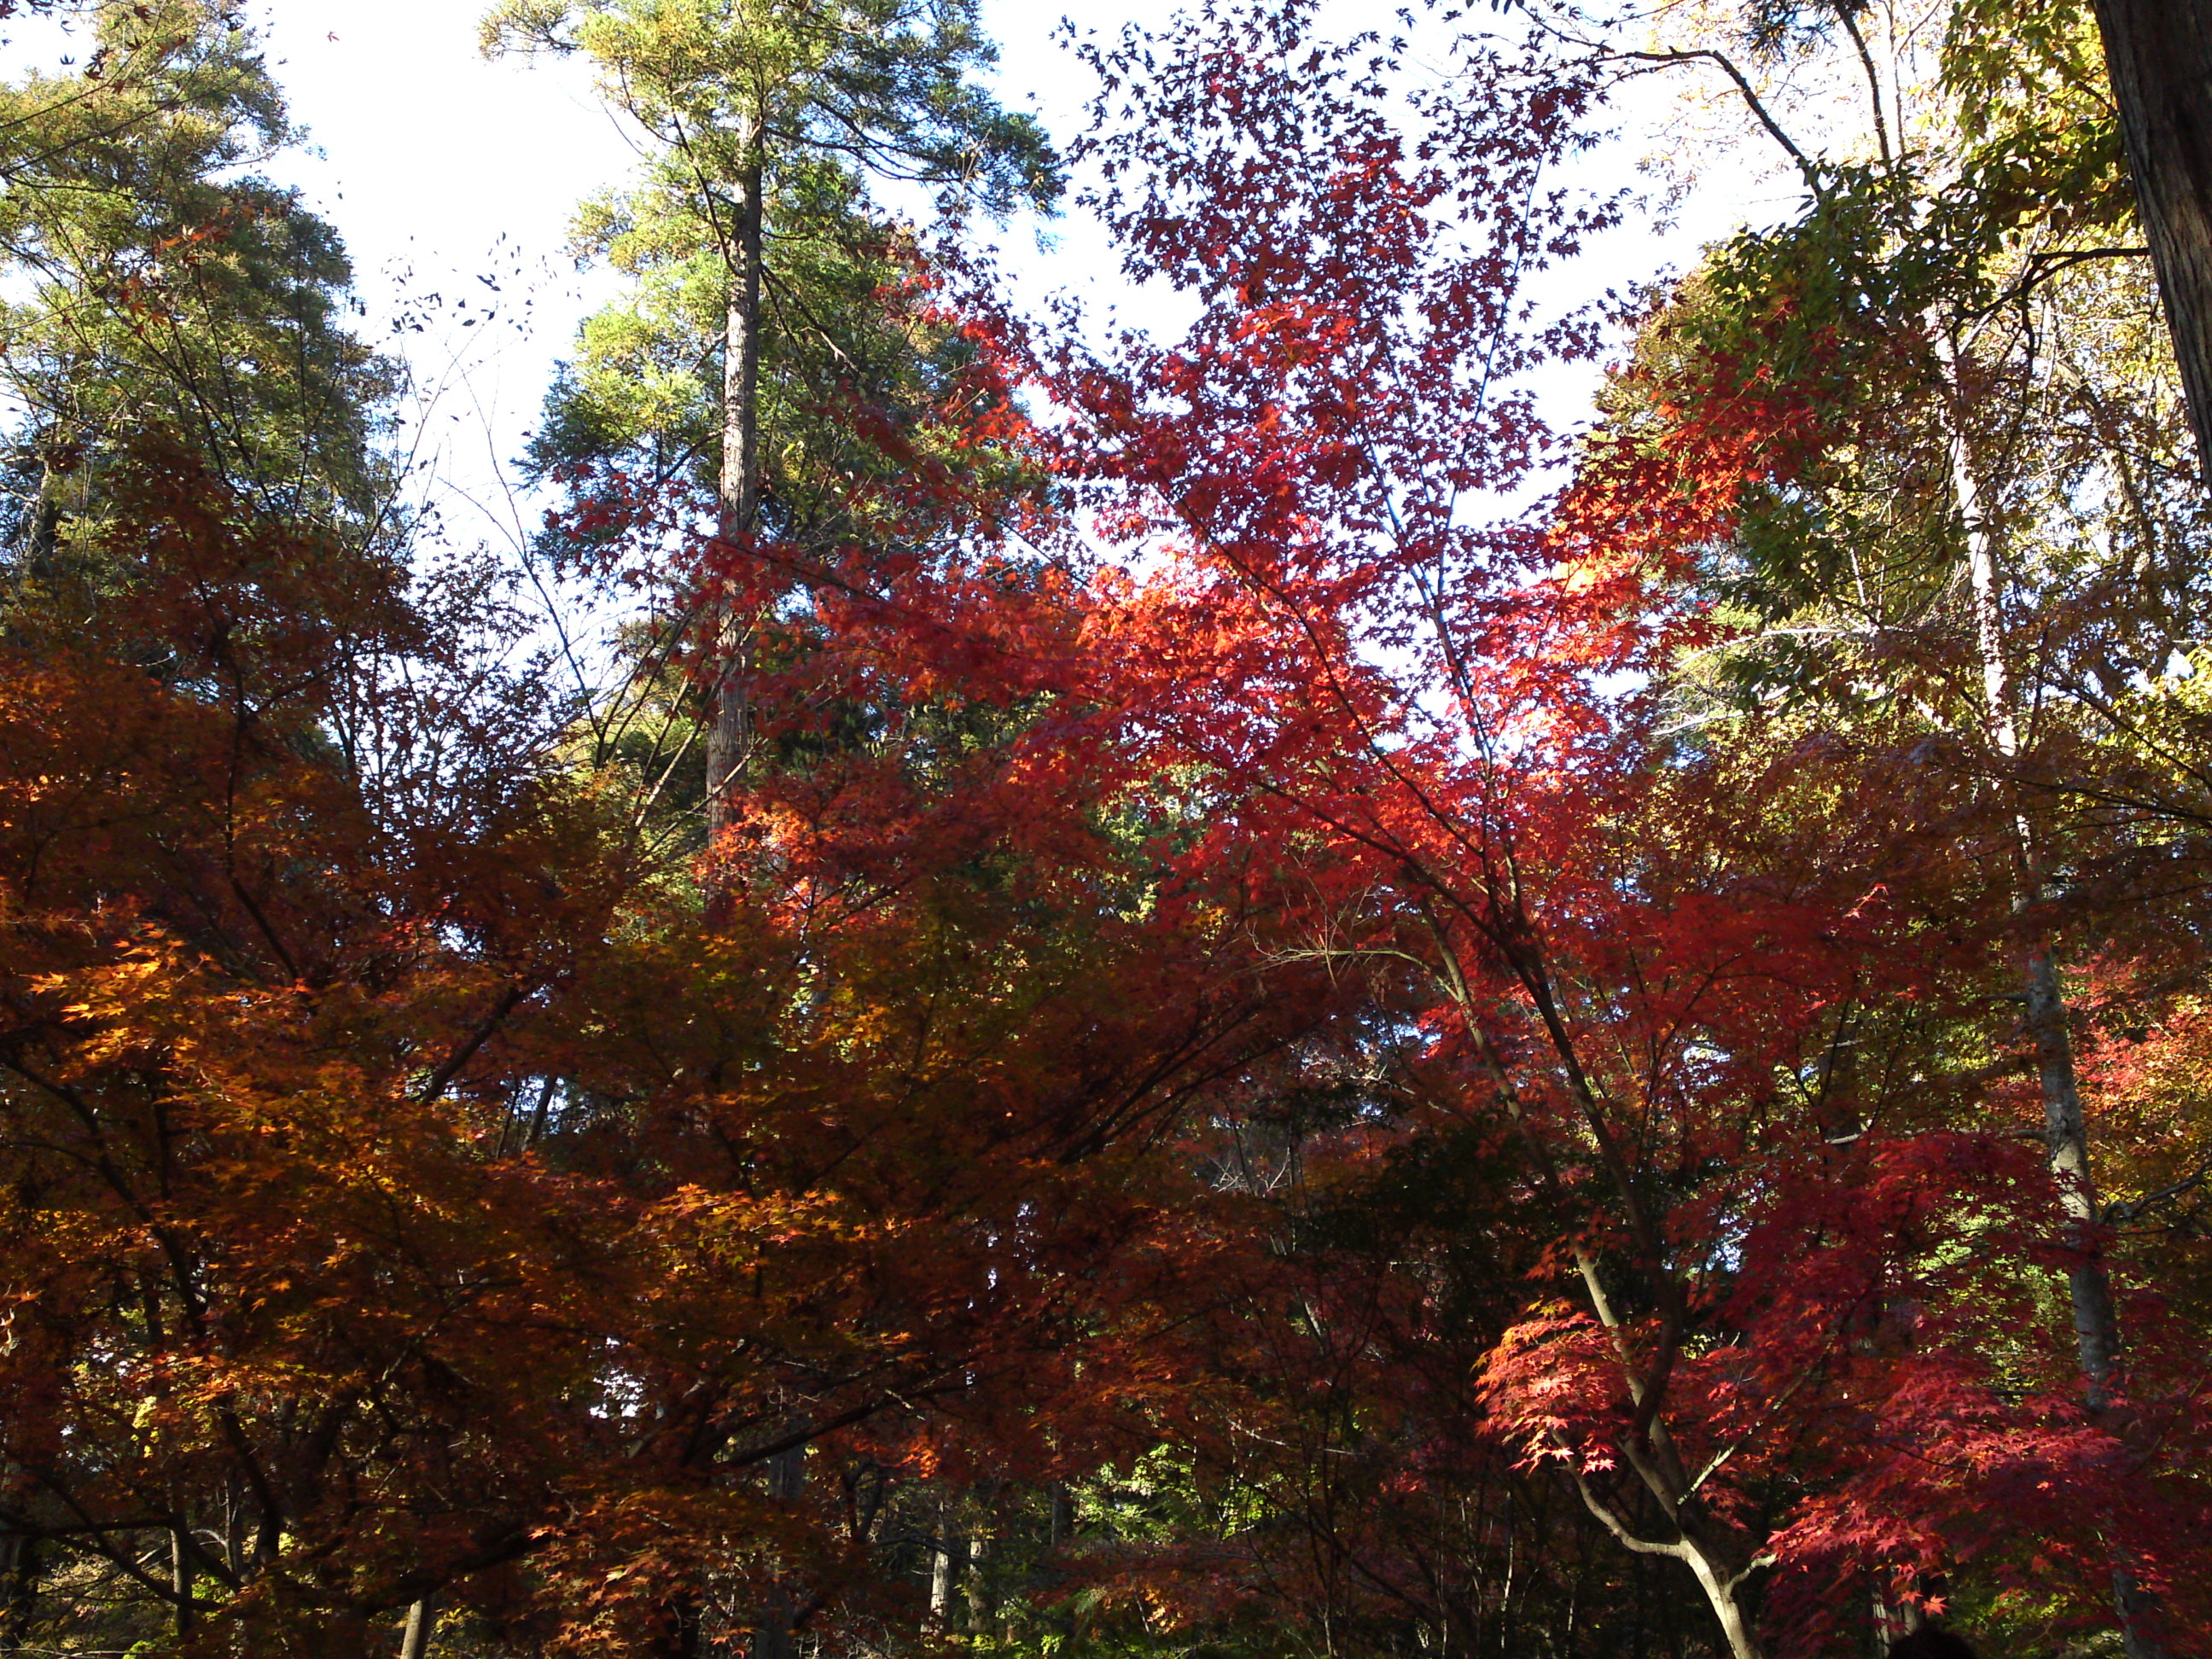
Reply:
x=2159, y=57
x=1400, y=1059
x=165, y=286
x=413, y=1195
x=1957, y=436
x=416, y=1198
x=767, y=119
x=1639, y=949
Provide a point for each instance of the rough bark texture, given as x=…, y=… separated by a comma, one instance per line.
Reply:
x=729, y=740
x=2158, y=54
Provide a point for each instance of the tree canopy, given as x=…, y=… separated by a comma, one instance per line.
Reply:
x=1155, y=992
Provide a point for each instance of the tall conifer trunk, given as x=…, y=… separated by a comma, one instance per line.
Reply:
x=2158, y=55
x=729, y=739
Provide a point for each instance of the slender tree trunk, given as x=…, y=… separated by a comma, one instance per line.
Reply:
x=180, y=1576
x=947, y=1552
x=45, y=531
x=2065, y=1129
x=421, y=1625
x=1892, y=1624
x=981, y=1606
x=729, y=739
x=1063, y=1514
x=2159, y=55
x=1505, y=1591
x=2066, y=1138
x=234, y=1527
x=1657, y=1463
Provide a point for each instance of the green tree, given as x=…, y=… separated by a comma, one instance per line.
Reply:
x=162, y=284
x=758, y=256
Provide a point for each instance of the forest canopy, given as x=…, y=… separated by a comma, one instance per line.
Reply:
x=1251, y=980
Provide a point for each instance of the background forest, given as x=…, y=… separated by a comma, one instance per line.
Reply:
x=1207, y=984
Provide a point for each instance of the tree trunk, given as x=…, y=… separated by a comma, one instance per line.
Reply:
x=981, y=1605
x=40, y=558
x=2066, y=1141
x=729, y=738
x=180, y=1578
x=1656, y=1464
x=2066, y=1135
x=422, y=1624
x=1892, y=1624
x=2159, y=55
x=946, y=1551
x=774, y=1637
x=1721, y=1593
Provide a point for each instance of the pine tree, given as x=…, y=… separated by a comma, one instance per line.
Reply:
x=758, y=251
x=162, y=284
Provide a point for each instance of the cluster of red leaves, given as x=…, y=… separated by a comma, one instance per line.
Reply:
x=1806, y=1334
x=411, y=1194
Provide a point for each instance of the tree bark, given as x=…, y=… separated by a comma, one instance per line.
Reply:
x=40, y=558
x=180, y=1578
x=2158, y=55
x=1655, y=1461
x=1721, y=1593
x=774, y=1635
x=422, y=1624
x=729, y=738
x=2066, y=1141
x=981, y=1606
x=946, y=1553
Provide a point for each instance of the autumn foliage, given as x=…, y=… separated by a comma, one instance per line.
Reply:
x=1304, y=1017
